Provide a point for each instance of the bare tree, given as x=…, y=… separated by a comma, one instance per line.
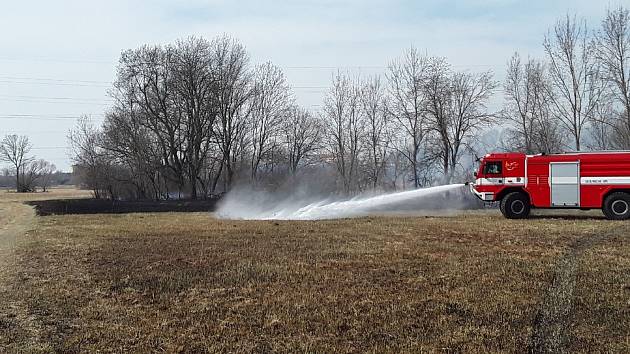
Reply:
x=180, y=116
x=399, y=166
x=468, y=113
x=549, y=136
x=194, y=84
x=146, y=91
x=574, y=75
x=436, y=89
x=375, y=111
x=405, y=77
x=14, y=149
x=528, y=107
x=130, y=137
x=301, y=137
x=613, y=54
x=46, y=172
x=603, y=129
x=91, y=163
x=456, y=106
x=344, y=128
x=125, y=141
x=521, y=88
x=270, y=101
x=231, y=96
x=37, y=173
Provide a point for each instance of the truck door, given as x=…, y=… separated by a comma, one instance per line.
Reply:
x=538, y=182
x=564, y=178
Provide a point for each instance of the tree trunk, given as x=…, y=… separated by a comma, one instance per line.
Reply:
x=17, y=179
x=193, y=187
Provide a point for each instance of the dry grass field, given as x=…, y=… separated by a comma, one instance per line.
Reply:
x=188, y=282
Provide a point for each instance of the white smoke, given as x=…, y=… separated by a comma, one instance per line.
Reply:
x=251, y=205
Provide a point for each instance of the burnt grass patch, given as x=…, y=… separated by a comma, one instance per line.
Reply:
x=105, y=206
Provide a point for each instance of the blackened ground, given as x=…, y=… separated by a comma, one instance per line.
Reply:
x=103, y=206
x=460, y=199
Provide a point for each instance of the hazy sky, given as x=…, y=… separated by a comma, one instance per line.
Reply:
x=57, y=58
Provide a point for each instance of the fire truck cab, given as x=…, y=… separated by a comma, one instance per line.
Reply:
x=584, y=180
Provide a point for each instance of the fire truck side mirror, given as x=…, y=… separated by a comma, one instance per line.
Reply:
x=475, y=173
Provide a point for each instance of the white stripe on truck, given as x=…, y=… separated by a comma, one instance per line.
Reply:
x=513, y=181
x=509, y=181
x=605, y=180
x=564, y=180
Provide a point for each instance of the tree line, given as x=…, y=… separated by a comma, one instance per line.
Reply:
x=578, y=96
x=192, y=118
x=28, y=172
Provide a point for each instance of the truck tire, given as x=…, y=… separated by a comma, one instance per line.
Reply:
x=617, y=206
x=502, y=207
x=515, y=205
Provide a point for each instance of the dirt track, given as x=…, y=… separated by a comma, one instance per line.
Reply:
x=15, y=219
x=550, y=333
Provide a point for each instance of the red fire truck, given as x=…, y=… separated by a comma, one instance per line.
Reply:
x=584, y=180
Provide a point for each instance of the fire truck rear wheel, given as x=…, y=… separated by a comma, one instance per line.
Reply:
x=515, y=205
x=617, y=206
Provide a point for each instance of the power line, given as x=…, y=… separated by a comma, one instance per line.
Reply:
x=80, y=84
x=53, y=79
x=33, y=118
x=61, y=115
x=35, y=132
x=55, y=102
x=43, y=117
x=335, y=67
x=332, y=67
x=59, y=98
x=53, y=84
x=113, y=61
x=309, y=87
x=54, y=60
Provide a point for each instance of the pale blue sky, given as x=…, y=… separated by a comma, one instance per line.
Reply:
x=57, y=57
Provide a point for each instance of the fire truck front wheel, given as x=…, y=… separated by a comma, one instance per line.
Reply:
x=515, y=205
x=617, y=206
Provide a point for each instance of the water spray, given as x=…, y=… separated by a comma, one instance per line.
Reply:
x=245, y=206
